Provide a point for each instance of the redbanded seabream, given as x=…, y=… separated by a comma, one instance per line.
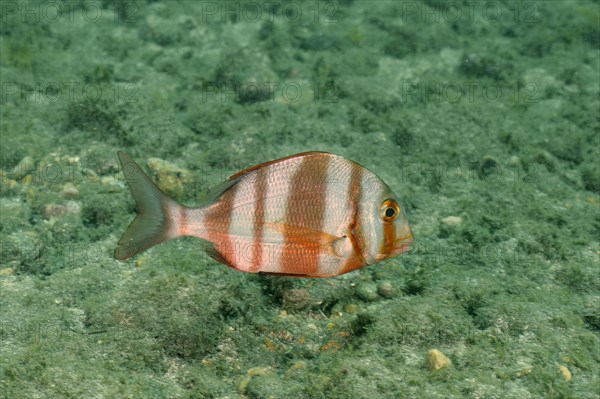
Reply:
x=312, y=214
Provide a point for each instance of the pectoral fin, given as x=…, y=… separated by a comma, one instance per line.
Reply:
x=301, y=235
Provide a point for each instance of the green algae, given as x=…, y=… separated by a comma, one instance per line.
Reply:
x=488, y=131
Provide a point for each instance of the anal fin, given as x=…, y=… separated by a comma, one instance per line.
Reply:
x=285, y=275
x=216, y=255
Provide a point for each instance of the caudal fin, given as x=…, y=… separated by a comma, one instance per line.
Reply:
x=153, y=223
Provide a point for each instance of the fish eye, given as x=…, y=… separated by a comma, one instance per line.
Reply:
x=389, y=210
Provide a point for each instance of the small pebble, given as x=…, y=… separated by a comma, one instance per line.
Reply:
x=245, y=380
x=564, y=371
x=259, y=371
x=386, y=289
x=59, y=210
x=367, y=291
x=109, y=184
x=436, y=360
x=524, y=372
x=243, y=384
x=141, y=261
x=296, y=299
x=69, y=191
x=171, y=178
x=546, y=159
x=8, y=184
x=24, y=167
x=452, y=220
x=489, y=166
x=296, y=368
x=351, y=308
x=89, y=175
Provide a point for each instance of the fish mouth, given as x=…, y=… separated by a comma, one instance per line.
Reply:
x=403, y=243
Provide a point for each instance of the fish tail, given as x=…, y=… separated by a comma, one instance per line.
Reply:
x=156, y=220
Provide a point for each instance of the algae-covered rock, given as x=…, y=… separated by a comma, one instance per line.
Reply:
x=565, y=372
x=171, y=178
x=96, y=116
x=542, y=80
x=436, y=360
x=8, y=185
x=69, y=190
x=15, y=214
x=297, y=299
x=525, y=371
x=59, y=210
x=367, y=291
x=386, y=289
x=162, y=31
x=452, y=220
x=244, y=382
x=591, y=312
x=24, y=167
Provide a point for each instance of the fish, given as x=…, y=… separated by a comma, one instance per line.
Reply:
x=313, y=214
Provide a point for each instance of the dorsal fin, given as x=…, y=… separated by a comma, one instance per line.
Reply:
x=218, y=190
x=262, y=165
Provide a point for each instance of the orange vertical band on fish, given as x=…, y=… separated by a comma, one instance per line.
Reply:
x=312, y=214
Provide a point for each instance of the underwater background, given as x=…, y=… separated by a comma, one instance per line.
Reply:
x=482, y=116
